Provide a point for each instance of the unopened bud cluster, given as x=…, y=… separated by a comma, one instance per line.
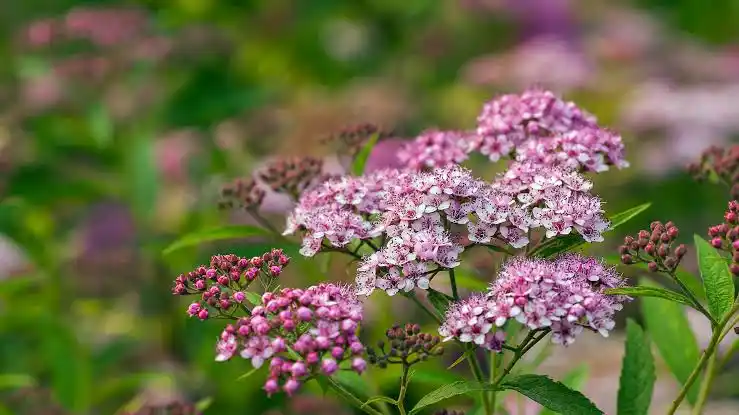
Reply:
x=655, y=247
x=406, y=345
x=726, y=235
x=352, y=138
x=221, y=285
x=301, y=333
x=448, y=412
x=242, y=193
x=721, y=163
x=291, y=175
x=174, y=408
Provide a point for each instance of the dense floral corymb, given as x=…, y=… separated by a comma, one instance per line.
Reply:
x=301, y=333
x=435, y=148
x=538, y=127
x=221, y=284
x=565, y=295
x=726, y=235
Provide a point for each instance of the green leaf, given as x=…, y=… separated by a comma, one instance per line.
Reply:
x=557, y=245
x=16, y=380
x=439, y=300
x=574, y=380
x=637, y=373
x=449, y=391
x=650, y=292
x=71, y=375
x=143, y=176
x=203, y=404
x=552, y=394
x=461, y=358
x=380, y=399
x=253, y=298
x=717, y=279
x=669, y=329
x=361, y=160
x=100, y=125
x=215, y=234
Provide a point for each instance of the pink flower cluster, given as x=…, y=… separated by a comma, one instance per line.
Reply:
x=509, y=120
x=340, y=210
x=102, y=26
x=301, y=333
x=434, y=148
x=565, y=295
x=221, y=285
x=589, y=149
x=556, y=199
x=417, y=205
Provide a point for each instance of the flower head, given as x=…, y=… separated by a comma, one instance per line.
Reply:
x=509, y=120
x=299, y=333
x=292, y=175
x=243, y=193
x=434, y=148
x=220, y=285
x=471, y=320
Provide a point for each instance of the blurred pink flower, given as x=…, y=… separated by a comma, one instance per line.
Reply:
x=385, y=155
x=172, y=152
x=41, y=92
x=40, y=33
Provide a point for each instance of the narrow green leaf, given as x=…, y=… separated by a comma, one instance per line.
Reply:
x=574, y=380
x=461, y=358
x=671, y=333
x=650, y=292
x=564, y=243
x=439, y=300
x=552, y=394
x=449, y=391
x=379, y=399
x=637, y=373
x=71, y=374
x=100, y=125
x=361, y=160
x=253, y=298
x=215, y=234
x=717, y=279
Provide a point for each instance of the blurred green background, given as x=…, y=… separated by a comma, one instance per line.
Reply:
x=121, y=120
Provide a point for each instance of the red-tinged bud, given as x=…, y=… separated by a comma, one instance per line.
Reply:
x=626, y=259
x=653, y=267
x=717, y=243
x=734, y=268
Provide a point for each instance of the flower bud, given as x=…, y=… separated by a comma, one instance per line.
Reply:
x=734, y=268
x=680, y=251
x=652, y=266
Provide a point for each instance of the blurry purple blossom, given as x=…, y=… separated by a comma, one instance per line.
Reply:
x=385, y=155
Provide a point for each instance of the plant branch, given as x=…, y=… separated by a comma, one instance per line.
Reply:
x=705, y=385
x=349, y=397
x=718, y=333
x=403, y=389
x=477, y=373
x=532, y=338
x=453, y=283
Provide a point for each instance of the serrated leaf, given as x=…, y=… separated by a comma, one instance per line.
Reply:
x=215, y=234
x=564, y=243
x=552, y=394
x=717, y=279
x=671, y=333
x=379, y=399
x=439, y=300
x=637, y=373
x=360, y=161
x=574, y=380
x=656, y=292
x=449, y=391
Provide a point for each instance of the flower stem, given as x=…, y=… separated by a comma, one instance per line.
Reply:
x=705, y=385
x=477, y=373
x=403, y=389
x=532, y=338
x=349, y=397
x=493, y=374
x=710, y=350
x=453, y=283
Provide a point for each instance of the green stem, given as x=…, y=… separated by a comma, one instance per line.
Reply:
x=705, y=385
x=532, y=338
x=493, y=374
x=710, y=350
x=412, y=296
x=349, y=397
x=403, y=389
x=696, y=303
x=453, y=283
x=729, y=354
x=477, y=373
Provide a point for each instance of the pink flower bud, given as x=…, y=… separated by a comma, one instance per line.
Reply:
x=243, y=263
x=356, y=348
x=199, y=285
x=337, y=353
x=359, y=365
x=271, y=386
x=193, y=309
x=256, y=262
x=211, y=273
x=298, y=369
x=203, y=314
x=251, y=273
x=223, y=280
x=716, y=242
x=311, y=358
x=278, y=344
x=291, y=386
x=304, y=314
x=244, y=331
x=239, y=297
x=275, y=270
x=329, y=366
x=225, y=304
